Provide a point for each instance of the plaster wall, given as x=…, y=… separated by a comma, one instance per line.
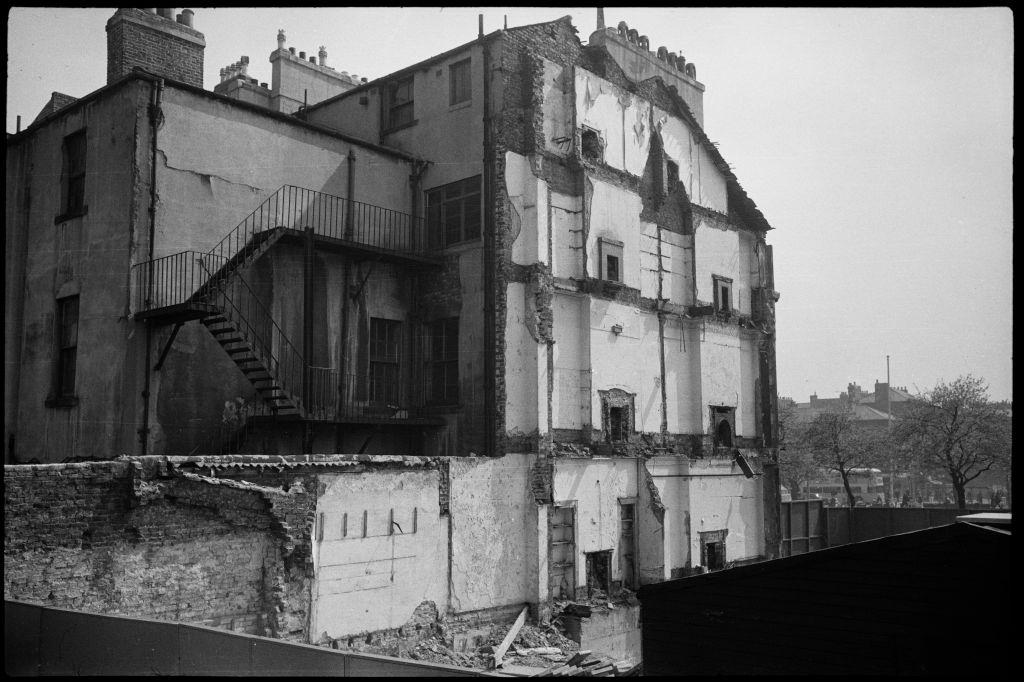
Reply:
x=622, y=119
x=708, y=495
x=523, y=360
x=721, y=371
x=87, y=255
x=557, y=107
x=682, y=376
x=676, y=265
x=596, y=485
x=494, y=532
x=381, y=549
x=572, y=390
x=746, y=417
x=529, y=199
x=347, y=113
x=628, y=360
x=721, y=252
x=295, y=80
x=705, y=184
x=209, y=177
x=567, y=235
x=614, y=215
x=650, y=536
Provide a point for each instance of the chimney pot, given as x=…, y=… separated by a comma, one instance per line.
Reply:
x=291, y=50
x=481, y=31
x=280, y=38
x=364, y=80
x=302, y=55
x=177, y=18
x=166, y=12
x=188, y=16
x=263, y=85
x=323, y=55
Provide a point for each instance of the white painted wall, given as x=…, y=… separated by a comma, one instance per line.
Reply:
x=570, y=401
x=567, y=235
x=629, y=360
x=596, y=485
x=529, y=198
x=614, y=214
x=704, y=183
x=522, y=359
x=494, y=532
x=557, y=106
x=718, y=253
x=682, y=376
x=721, y=369
x=622, y=119
x=377, y=581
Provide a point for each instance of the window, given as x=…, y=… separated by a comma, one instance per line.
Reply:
x=453, y=212
x=723, y=425
x=562, y=552
x=627, y=543
x=617, y=414
x=591, y=145
x=671, y=174
x=400, y=103
x=67, y=346
x=723, y=294
x=444, y=361
x=599, y=574
x=610, y=255
x=385, y=344
x=712, y=549
x=459, y=84
x=73, y=175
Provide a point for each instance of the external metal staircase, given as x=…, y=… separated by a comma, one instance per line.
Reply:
x=209, y=287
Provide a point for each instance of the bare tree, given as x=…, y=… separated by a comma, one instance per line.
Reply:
x=796, y=460
x=956, y=428
x=840, y=444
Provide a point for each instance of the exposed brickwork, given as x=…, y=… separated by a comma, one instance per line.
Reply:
x=136, y=538
x=161, y=46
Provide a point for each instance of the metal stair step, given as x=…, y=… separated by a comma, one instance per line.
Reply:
x=236, y=351
x=231, y=339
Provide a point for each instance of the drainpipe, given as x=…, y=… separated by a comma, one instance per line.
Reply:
x=490, y=326
x=661, y=342
x=344, y=388
x=351, y=192
x=155, y=115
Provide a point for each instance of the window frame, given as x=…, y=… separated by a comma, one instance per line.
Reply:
x=610, y=248
x=721, y=284
x=450, y=201
x=384, y=369
x=460, y=78
x=443, y=333
x=74, y=163
x=66, y=348
x=395, y=122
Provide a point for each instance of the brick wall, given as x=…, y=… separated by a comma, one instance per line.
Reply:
x=134, y=538
x=158, y=45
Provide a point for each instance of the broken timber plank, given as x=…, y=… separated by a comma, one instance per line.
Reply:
x=578, y=658
x=499, y=652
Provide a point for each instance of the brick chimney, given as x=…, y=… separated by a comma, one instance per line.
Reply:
x=156, y=42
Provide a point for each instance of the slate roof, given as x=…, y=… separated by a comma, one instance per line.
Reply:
x=922, y=602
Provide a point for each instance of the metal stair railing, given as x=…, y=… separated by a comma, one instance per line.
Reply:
x=290, y=207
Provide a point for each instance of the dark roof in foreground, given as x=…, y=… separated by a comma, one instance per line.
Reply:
x=930, y=601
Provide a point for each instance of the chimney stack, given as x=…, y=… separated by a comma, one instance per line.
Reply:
x=137, y=38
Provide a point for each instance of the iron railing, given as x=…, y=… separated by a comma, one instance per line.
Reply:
x=174, y=278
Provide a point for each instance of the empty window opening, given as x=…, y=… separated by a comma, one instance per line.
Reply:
x=723, y=294
x=610, y=259
x=617, y=423
x=724, y=434
x=712, y=549
x=617, y=414
x=599, y=574
x=591, y=145
x=627, y=560
x=562, y=553
x=460, y=89
x=671, y=174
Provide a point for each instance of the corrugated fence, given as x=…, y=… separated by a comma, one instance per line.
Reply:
x=40, y=640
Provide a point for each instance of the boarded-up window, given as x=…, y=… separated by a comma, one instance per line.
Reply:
x=460, y=86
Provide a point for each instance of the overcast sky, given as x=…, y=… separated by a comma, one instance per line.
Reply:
x=877, y=142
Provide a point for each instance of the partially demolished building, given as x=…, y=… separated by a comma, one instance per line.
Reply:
x=515, y=281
